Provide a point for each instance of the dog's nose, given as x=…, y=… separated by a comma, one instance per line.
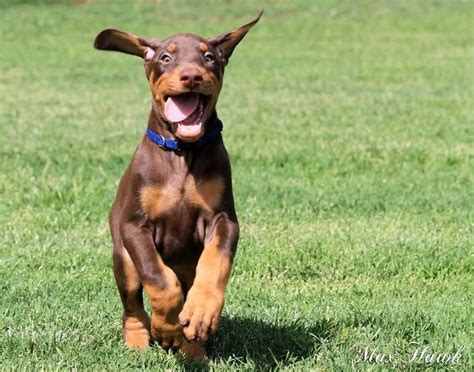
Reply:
x=191, y=77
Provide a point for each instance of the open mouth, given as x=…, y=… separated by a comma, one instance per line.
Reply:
x=187, y=112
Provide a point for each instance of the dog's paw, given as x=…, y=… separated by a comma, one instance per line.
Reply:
x=165, y=327
x=167, y=333
x=136, y=331
x=201, y=313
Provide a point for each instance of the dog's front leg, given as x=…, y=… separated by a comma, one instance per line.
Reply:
x=205, y=299
x=160, y=283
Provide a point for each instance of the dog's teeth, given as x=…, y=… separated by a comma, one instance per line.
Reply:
x=201, y=110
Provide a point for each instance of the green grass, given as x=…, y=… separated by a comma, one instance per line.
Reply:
x=350, y=130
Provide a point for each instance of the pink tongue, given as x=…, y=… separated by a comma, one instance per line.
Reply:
x=178, y=108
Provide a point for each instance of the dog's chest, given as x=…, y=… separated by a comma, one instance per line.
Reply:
x=180, y=212
x=161, y=201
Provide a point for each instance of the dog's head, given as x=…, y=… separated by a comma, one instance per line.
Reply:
x=184, y=71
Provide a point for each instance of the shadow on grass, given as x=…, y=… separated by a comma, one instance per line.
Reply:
x=267, y=345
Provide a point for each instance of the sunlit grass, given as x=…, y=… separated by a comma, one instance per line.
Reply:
x=350, y=130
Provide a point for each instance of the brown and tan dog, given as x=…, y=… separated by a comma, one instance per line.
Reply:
x=173, y=222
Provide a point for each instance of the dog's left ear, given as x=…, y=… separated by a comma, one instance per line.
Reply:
x=226, y=43
x=121, y=41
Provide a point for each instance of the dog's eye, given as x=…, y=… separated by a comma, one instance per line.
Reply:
x=165, y=58
x=209, y=57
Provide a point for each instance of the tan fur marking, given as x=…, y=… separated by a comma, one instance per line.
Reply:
x=130, y=279
x=213, y=267
x=156, y=83
x=136, y=331
x=169, y=83
x=171, y=47
x=165, y=84
x=166, y=305
x=151, y=78
x=203, y=47
x=205, y=299
x=157, y=201
x=206, y=194
x=136, y=323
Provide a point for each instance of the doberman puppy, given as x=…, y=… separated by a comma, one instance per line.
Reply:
x=173, y=222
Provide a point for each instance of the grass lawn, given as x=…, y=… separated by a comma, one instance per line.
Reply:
x=350, y=129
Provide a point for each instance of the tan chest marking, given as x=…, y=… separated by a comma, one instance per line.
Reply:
x=205, y=194
x=159, y=200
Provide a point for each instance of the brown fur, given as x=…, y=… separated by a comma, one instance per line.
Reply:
x=136, y=323
x=173, y=221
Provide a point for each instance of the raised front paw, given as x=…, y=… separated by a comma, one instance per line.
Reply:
x=201, y=313
x=165, y=326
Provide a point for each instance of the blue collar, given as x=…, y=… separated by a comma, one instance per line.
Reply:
x=177, y=144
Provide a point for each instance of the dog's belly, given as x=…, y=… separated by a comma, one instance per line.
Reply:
x=179, y=237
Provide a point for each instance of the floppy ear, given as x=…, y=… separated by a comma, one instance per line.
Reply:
x=120, y=41
x=228, y=41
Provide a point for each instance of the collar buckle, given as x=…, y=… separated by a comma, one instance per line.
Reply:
x=161, y=141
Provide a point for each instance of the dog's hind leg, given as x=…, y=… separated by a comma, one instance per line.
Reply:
x=136, y=323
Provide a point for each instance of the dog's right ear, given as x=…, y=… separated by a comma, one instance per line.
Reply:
x=227, y=42
x=120, y=41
